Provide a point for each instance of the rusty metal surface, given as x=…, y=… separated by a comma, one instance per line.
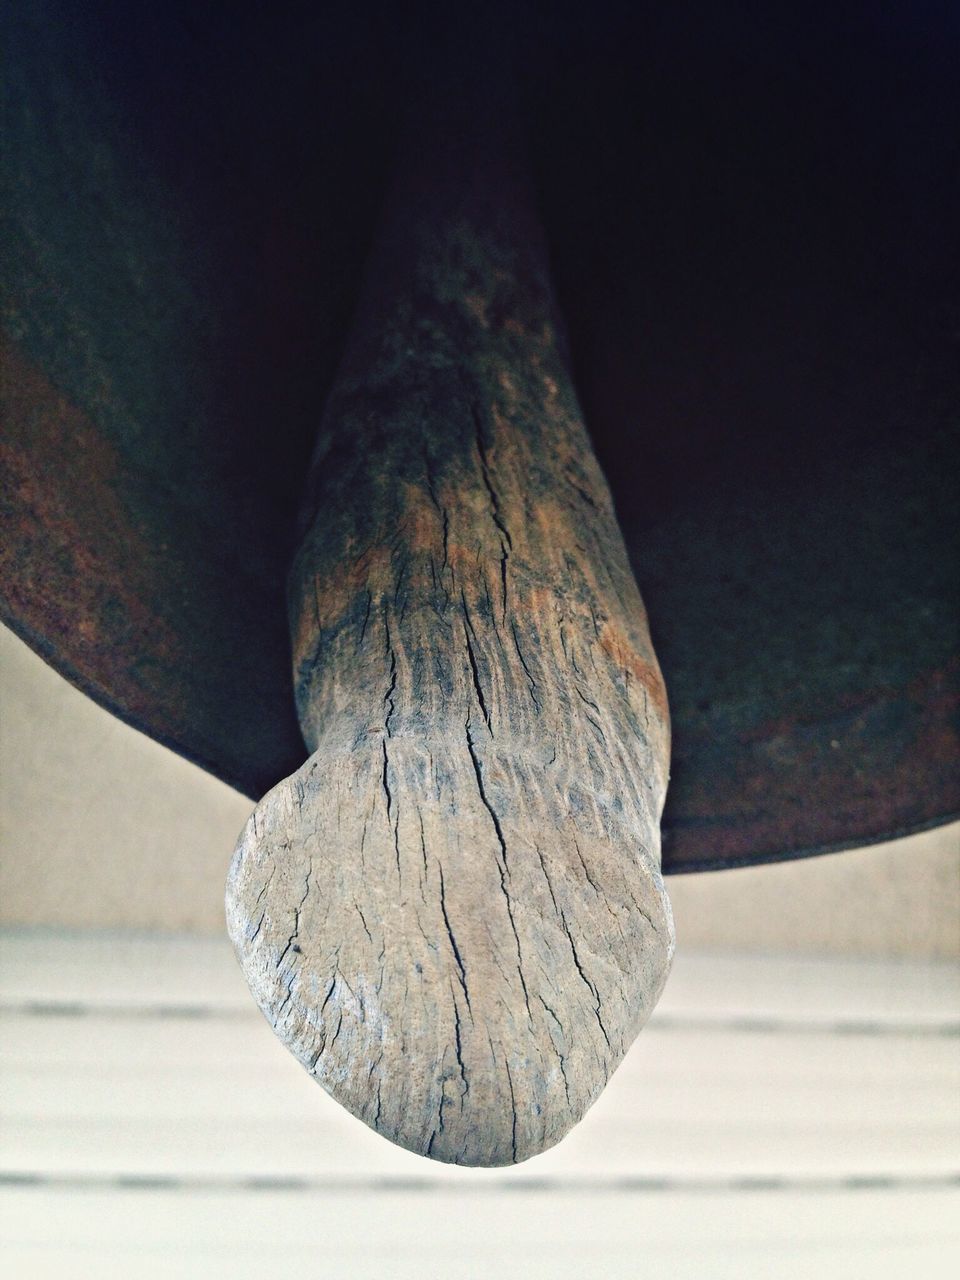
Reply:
x=763, y=312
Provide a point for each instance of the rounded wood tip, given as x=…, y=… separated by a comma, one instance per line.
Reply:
x=465, y=971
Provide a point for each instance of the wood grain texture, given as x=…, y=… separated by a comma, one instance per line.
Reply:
x=453, y=913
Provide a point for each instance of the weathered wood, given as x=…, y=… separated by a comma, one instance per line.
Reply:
x=453, y=914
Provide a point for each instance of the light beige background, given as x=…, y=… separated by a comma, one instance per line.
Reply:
x=101, y=827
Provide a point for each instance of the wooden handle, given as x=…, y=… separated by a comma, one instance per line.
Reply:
x=453, y=914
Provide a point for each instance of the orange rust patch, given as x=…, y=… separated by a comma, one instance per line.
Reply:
x=476, y=304
x=422, y=523
x=615, y=644
x=78, y=572
x=508, y=387
x=556, y=529
x=326, y=597
x=337, y=586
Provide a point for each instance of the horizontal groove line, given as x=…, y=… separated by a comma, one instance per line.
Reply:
x=796, y=1026
x=78, y=1009
x=619, y=1185
x=759, y=1024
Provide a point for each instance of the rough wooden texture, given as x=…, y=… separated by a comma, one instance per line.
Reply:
x=453, y=913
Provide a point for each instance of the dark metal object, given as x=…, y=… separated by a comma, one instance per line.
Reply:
x=753, y=235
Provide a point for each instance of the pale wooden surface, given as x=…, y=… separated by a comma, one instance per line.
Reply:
x=789, y=1117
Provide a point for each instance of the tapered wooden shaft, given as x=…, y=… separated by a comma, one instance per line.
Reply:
x=453, y=913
